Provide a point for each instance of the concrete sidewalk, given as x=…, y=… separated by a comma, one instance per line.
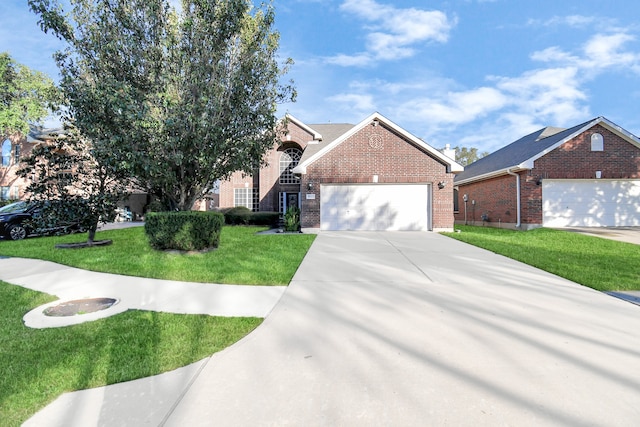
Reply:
x=68, y=283
x=406, y=328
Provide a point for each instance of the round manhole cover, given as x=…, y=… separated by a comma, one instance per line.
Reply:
x=80, y=306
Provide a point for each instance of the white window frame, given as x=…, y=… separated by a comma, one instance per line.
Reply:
x=247, y=197
x=7, y=151
x=289, y=159
x=597, y=142
x=8, y=192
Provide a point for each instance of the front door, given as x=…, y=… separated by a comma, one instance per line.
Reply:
x=292, y=200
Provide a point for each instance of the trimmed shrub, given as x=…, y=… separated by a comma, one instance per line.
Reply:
x=240, y=215
x=184, y=231
x=237, y=216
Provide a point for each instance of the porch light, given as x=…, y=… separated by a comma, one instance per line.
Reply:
x=441, y=184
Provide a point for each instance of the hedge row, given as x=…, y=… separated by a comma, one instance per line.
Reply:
x=244, y=216
x=184, y=231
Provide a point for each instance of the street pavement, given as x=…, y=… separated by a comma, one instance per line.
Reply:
x=400, y=328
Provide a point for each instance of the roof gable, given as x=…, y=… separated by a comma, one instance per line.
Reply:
x=522, y=153
x=316, y=136
x=452, y=166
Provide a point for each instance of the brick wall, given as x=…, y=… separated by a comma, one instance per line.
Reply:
x=8, y=177
x=267, y=179
x=378, y=151
x=574, y=159
x=495, y=198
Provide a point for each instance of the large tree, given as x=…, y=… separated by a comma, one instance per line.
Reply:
x=26, y=96
x=181, y=98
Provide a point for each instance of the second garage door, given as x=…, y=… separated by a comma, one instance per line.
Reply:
x=591, y=203
x=370, y=207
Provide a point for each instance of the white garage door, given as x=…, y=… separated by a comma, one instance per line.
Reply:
x=374, y=207
x=591, y=203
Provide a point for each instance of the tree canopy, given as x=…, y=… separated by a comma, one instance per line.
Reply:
x=26, y=96
x=179, y=98
x=467, y=155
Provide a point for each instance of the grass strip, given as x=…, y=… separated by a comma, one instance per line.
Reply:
x=243, y=258
x=37, y=365
x=601, y=264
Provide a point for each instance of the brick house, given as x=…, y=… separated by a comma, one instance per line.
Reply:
x=587, y=175
x=14, y=146
x=370, y=176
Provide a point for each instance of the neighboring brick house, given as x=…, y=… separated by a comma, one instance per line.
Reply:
x=14, y=147
x=370, y=176
x=588, y=175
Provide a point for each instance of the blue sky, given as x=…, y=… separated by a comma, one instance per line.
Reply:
x=477, y=73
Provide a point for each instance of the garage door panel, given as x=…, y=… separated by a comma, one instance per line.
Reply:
x=591, y=203
x=374, y=207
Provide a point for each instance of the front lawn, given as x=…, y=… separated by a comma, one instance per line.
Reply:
x=602, y=264
x=243, y=258
x=37, y=365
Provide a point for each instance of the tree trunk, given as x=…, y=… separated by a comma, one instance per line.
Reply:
x=92, y=232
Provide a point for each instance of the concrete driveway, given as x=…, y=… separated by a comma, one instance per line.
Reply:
x=401, y=329
x=622, y=234
x=418, y=329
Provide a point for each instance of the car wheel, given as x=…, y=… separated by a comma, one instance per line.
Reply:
x=17, y=232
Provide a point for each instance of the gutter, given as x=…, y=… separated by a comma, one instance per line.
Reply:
x=517, y=195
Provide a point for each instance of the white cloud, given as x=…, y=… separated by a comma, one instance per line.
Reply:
x=358, y=60
x=601, y=52
x=455, y=107
x=604, y=51
x=576, y=21
x=358, y=104
x=393, y=33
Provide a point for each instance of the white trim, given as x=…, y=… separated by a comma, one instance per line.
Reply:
x=528, y=164
x=316, y=136
x=489, y=175
x=453, y=166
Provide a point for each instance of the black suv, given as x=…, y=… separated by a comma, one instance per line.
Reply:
x=15, y=222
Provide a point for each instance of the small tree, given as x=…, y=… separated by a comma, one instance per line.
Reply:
x=74, y=181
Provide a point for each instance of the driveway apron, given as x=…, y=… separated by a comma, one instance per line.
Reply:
x=414, y=328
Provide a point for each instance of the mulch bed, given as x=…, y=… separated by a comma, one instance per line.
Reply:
x=83, y=244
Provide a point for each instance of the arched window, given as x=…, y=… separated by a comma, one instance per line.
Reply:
x=597, y=142
x=6, y=153
x=288, y=160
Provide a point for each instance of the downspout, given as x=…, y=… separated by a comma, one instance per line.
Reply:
x=517, y=195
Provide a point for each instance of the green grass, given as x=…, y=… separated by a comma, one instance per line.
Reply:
x=37, y=365
x=602, y=264
x=243, y=257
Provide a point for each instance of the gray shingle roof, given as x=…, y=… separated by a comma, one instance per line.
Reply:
x=330, y=132
x=518, y=151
